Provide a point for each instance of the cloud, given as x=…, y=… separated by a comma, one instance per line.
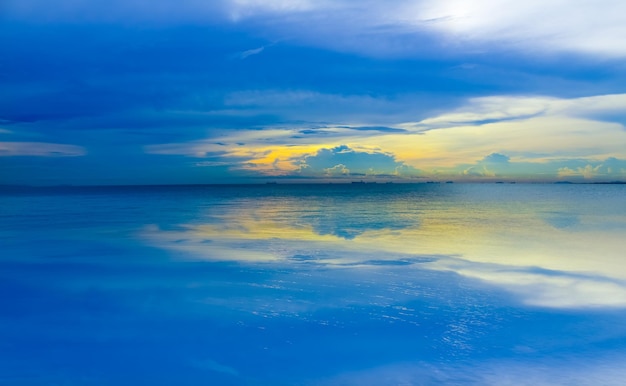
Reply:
x=245, y=54
x=491, y=166
x=211, y=365
x=382, y=129
x=339, y=169
x=525, y=129
x=408, y=27
x=360, y=112
x=493, y=109
x=496, y=158
x=607, y=169
x=351, y=162
x=587, y=172
x=490, y=109
x=529, y=138
x=568, y=26
x=40, y=149
x=500, y=166
x=399, y=27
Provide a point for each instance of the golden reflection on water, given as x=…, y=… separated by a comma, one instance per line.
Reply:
x=541, y=252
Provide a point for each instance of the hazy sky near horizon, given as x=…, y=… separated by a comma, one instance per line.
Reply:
x=235, y=90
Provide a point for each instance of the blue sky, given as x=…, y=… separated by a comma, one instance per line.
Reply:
x=125, y=92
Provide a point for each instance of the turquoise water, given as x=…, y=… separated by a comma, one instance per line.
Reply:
x=393, y=284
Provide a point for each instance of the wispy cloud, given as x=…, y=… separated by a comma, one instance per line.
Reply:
x=402, y=27
x=40, y=149
x=576, y=26
x=244, y=54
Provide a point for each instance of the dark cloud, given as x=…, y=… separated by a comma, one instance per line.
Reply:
x=378, y=128
x=316, y=132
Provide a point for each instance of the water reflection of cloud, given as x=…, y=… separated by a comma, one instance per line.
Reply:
x=548, y=253
x=570, y=370
x=555, y=284
x=353, y=219
x=546, y=288
x=562, y=220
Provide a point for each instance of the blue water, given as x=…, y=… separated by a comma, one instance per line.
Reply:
x=386, y=284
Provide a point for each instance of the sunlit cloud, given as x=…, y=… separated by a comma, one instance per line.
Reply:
x=576, y=26
x=587, y=172
x=528, y=138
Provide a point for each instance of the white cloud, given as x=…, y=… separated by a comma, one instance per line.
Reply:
x=339, y=169
x=587, y=171
x=495, y=108
x=403, y=27
x=397, y=27
x=589, y=27
x=40, y=149
x=501, y=108
x=247, y=53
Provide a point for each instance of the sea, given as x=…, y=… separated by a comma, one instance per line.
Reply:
x=313, y=284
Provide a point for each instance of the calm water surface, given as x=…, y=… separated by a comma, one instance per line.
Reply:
x=425, y=284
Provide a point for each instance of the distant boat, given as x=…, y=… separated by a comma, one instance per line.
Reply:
x=358, y=182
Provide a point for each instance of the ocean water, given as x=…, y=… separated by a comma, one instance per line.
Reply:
x=345, y=284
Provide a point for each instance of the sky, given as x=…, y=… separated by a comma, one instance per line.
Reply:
x=238, y=91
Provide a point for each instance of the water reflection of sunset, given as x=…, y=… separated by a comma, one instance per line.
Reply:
x=541, y=244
